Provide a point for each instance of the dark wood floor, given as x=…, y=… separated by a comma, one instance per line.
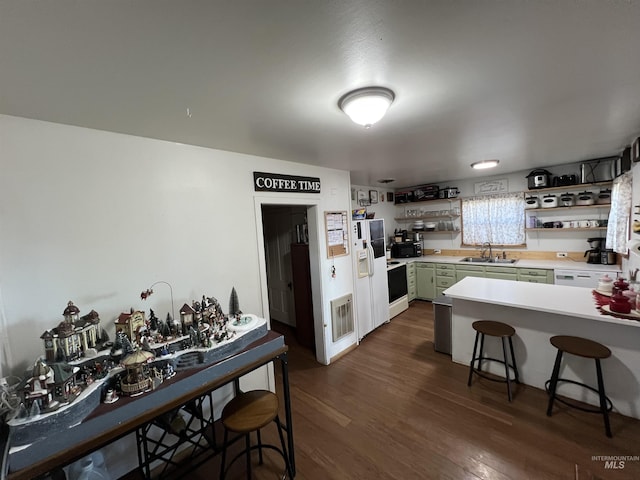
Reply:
x=395, y=409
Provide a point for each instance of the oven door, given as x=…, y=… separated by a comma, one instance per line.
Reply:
x=397, y=278
x=398, y=298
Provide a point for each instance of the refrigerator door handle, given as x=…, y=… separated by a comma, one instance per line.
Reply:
x=370, y=257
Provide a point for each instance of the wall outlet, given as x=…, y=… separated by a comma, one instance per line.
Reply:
x=437, y=251
x=561, y=254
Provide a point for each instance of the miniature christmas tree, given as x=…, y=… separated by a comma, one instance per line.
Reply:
x=127, y=347
x=234, y=304
x=104, y=336
x=153, y=321
x=164, y=329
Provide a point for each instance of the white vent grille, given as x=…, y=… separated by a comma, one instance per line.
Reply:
x=342, y=316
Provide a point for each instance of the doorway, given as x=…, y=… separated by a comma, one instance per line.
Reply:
x=288, y=272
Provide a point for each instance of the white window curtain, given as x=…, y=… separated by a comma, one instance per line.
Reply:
x=498, y=219
x=618, y=225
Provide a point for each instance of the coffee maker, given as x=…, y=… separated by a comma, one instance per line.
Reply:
x=594, y=254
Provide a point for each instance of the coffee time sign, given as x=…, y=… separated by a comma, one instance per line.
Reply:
x=276, y=182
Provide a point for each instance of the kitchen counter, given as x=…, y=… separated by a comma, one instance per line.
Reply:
x=538, y=312
x=558, y=299
x=523, y=263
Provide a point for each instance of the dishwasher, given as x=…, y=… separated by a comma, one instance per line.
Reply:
x=581, y=278
x=442, y=324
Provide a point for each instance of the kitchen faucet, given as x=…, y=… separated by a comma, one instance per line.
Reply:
x=483, y=251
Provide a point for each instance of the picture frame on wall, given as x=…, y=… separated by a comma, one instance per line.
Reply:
x=373, y=196
x=635, y=150
x=363, y=198
x=389, y=196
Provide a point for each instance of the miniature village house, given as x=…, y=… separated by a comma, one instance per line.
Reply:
x=50, y=385
x=186, y=315
x=73, y=336
x=131, y=324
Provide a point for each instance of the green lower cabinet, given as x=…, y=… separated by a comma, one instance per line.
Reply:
x=411, y=281
x=469, y=271
x=535, y=275
x=440, y=291
x=425, y=281
x=445, y=275
x=502, y=273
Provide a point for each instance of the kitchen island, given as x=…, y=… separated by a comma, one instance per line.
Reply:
x=538, y=312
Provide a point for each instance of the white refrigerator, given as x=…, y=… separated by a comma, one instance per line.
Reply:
x=370, y=266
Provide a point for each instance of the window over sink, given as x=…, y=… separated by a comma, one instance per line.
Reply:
x=497, y=219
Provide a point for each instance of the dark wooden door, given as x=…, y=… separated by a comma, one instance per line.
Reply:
x=303, y=308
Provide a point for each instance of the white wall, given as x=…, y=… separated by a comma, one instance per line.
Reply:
x=97, y=217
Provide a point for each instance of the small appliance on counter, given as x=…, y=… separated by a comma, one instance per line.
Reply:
x=406, y=250
x=399, y=236
x=539, y=178
x=594, y=254
x=608, y=257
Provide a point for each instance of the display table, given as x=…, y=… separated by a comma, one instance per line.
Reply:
x=111, y=422
x=538, y=312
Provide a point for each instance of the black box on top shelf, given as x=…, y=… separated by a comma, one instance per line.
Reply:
x=425, y=192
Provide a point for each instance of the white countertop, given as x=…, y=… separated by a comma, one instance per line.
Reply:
x=556, y=299
x=523, y=263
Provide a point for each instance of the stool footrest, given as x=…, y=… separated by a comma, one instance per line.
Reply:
x=570, y=402
x=484, y=375
x=254, y=447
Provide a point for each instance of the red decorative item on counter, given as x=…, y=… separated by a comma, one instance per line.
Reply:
x=620, y=285
x=620, y=303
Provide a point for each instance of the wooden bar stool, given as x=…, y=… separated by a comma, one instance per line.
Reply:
x=586, y=349
x=246, y=413
x=504, y=332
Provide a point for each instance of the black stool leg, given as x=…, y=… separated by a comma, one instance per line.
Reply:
x=247, y=441
x=554, y=382
x=224, y=454
x=480, y=357
x=473, y=357
x=506, y=367
x=513, y=359
x=284, y=448
x=259, y=446
x=603, y=399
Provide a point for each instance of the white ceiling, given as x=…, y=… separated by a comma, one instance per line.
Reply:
x=532, y=83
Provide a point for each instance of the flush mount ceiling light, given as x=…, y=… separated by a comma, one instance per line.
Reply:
x=366, y=106
x=485, y=164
